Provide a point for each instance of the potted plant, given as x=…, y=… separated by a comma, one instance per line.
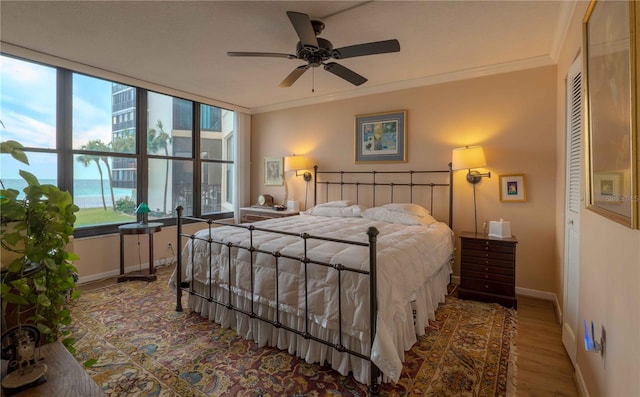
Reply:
x=38, y=277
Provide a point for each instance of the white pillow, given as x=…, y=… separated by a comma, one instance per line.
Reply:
x=409, y=208
x=337, y=203
x=403, y=218
x=342, y=212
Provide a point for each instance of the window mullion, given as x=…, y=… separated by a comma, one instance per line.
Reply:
x=195, y=155
x=142, y=124
x=64, y=125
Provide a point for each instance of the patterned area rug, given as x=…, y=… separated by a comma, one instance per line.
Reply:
x=138, y=345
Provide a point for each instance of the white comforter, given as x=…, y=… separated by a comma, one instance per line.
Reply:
x=407, y=257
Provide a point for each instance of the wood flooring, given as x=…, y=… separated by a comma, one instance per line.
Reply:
x=544, y=368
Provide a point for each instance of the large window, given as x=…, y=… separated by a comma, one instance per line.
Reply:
x=28, y=115
x=126, y=145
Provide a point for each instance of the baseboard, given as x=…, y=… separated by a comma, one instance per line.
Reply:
x=116, y=272
x=582, y=387
x=533, y=293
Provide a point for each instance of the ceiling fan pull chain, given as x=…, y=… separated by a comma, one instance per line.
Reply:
x=313, y=80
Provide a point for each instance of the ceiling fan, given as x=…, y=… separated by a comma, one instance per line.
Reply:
x=316, y=51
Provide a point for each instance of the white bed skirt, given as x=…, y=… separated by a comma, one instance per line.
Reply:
x=425, y=303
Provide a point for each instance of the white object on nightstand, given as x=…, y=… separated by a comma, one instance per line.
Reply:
x=293, y=205
x=500, y=229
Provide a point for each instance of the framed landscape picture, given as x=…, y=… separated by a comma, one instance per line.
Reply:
x=381, y=137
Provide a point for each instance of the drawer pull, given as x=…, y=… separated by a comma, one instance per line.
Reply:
x=486, y=248
x=486, y=269
x=486, y=286
x=486, y=276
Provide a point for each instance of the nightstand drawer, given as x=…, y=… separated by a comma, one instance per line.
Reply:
x=493, y=287
x=488, y=254
x=487, y=261
x=487, y=276
x=483, y=268
x=492, y=246
x=255, y=214
x=248, y=218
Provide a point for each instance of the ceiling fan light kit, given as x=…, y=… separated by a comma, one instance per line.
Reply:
x=317, y=51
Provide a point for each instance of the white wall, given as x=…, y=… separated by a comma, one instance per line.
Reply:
x=609, y=270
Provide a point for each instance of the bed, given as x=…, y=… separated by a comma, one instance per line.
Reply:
x=351, y=282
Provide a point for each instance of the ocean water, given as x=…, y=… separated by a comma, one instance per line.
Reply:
x=86, y=192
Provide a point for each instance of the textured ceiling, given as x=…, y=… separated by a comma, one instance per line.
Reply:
x=183, y=44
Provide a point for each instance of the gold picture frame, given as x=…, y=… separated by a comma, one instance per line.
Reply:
x=610, y=59
x=512, y=188
x=273, y=171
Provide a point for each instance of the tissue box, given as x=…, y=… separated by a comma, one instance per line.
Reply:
x=293, y=205
x=500, y=229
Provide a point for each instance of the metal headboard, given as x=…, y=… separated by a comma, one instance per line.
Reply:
x=339, y=181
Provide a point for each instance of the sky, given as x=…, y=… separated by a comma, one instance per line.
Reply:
x=28, y=112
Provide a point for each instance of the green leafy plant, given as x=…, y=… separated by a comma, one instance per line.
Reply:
x=39, y=277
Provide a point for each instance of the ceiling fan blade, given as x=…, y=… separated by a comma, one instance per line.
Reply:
x=358, y=50
x=293, y=76
x=345, y=73
x=302, y=24
x=260, y=54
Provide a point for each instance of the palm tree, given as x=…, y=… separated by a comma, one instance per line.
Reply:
x=124, y=143
x=156, y=140
x=100, y=146
x=86, y=160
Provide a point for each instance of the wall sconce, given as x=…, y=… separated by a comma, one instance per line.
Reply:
x=298, y=163
x=466, y=158
x=144, y=210
x=469, y=157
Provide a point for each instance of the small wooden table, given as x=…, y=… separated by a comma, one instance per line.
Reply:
x=65, y=376
x=132, y=229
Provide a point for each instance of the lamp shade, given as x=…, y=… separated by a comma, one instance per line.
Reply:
x=468, y=157
x=295, y=163
x=143, y=208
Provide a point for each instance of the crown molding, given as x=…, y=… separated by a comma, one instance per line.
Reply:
x=482, y=71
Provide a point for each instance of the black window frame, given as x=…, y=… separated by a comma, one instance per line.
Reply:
x=65, y=152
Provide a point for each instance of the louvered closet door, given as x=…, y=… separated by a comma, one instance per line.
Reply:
x=575, y=130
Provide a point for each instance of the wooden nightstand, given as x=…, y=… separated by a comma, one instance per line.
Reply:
x=254, y=214
x=488, y=269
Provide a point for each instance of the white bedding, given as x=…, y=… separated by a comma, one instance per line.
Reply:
x=408, y=257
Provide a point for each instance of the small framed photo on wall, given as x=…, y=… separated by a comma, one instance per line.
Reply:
x=273, y=169
x=512, y=188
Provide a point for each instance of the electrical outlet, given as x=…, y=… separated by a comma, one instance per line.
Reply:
x=170, y=246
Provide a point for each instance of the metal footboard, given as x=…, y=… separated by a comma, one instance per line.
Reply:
x=304, y=259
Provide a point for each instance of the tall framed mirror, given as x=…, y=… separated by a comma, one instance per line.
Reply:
x=610, y=44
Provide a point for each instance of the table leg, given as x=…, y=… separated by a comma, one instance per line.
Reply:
x=144, y=277
x=151, y=268
x=121, y=254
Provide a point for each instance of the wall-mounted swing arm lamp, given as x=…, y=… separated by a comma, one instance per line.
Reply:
x=467, y=158
x=298, y=163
